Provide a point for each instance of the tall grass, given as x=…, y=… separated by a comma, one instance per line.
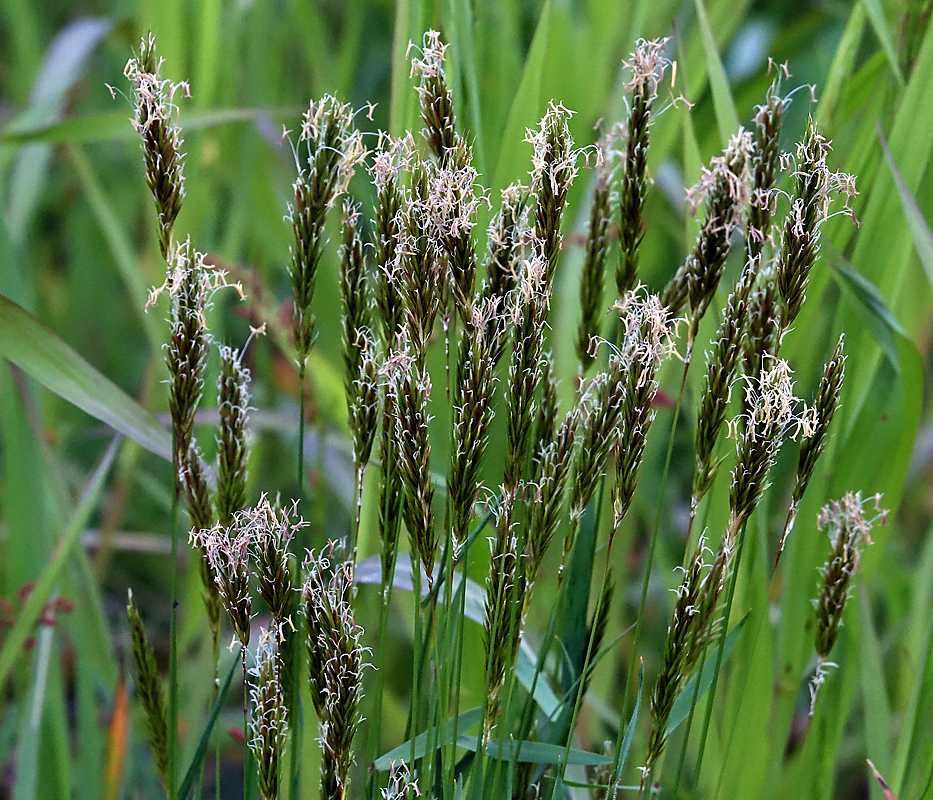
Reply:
x=466, y=591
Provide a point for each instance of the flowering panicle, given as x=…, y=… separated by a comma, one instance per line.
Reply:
x=437, y=108
x=849, y=530
x=361, y=380
x=725, y=190
x=336, y=663
x=509, y=233
x=200, y=510
x=554, y=166
x=647, y=65
x=645, y=343
x=390, y=159
x=149, y=689
x=721, y=367
x=189, y=287
x=528, y=320
x=765, y=158
x=227, y=552
x=418, y=264
x=811, y=448
x=409, y=387
x=232, y=445
x=472, y=413
x=155, y=121
x=771, y=414
x=452, y=204
x=594, y=269
x=802, y=224
x=333, y=151
x=268, y=722
x=689, y=630
x=760, y=339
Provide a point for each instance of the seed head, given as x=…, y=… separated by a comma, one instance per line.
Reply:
x=268, y=723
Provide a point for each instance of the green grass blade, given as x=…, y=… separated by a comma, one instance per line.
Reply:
x=681, y=708
x=880, y=25
x=535, y=752
x=29, y=746
x=525, y=111
x=195, y=766
x=39, y=352
x=45, y=585
x=441, y=737
x=727, y=118
x=919, y=230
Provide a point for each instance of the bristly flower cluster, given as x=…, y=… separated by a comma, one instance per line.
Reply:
x=155, y=121
x=647, y=66
x=333, y=150
x=335, y=663
x=268, y=722
x=226, y=550
x=849, y=530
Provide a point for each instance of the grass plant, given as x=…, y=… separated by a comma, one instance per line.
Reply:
x=447, y=470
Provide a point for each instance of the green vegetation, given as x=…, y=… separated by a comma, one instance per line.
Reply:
x=464, y=448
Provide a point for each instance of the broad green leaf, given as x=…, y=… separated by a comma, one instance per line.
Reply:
x=440, y=738
x=536, y=752
x=39, y=352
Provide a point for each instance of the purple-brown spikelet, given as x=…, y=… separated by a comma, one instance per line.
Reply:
x=361, y=376
x=391, y=492
x=328, y=152
x=437, y=108
x=472, y=413
x=645, y=344
x=648, y=66
x=391, y=157
x=849, y=531
x=725, y=191
x=765, y=157
x=594, y=269
x=553, y=169
x=268, y=720
x=418, y=265
x=232, y=444
x=227, y=553
x=451, y=210
x=547, y=416
x=811, y=448
x=410, y=387
x=552, y=469
x=690, y=627
x=149, y=690
x=155, y=121
x=528, y=318
x=336, y=663
x=188, y=286
x=810, y=207
x=509, y=234
x=721, y=367
x=771, y=414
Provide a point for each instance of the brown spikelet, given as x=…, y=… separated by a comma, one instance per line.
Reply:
x=648, y=66
x=149, y=689
x=594, y=269
x=232, y=444
x=155, y=121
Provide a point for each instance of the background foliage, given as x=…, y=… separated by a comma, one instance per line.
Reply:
x=78, y=252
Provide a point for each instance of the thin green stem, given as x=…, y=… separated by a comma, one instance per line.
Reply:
x=653, y=543
x=173, y=646
x=719, y=655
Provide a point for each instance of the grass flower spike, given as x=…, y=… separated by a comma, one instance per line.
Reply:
x=268, y=722
x=155, y=121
